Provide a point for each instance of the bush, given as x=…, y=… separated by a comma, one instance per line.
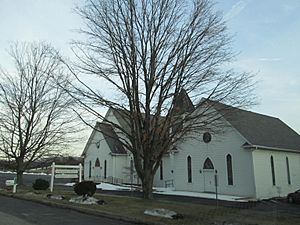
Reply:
x=40, y=184
x=85, y=188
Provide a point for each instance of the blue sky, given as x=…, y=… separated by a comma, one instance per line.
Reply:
x=266, y=33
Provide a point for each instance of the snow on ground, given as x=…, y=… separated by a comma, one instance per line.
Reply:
x=105, y=187
x=69, y=184
x=28, y=173
x=112, y=187
x=169, y=191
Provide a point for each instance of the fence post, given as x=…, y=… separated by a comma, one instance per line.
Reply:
x=80, y=172
x=52, y=177
x=15, y=185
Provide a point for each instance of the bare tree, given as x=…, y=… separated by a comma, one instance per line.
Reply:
x=36, y=117
x=153, y=52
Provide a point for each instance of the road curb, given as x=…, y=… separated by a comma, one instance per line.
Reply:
x=84, y=210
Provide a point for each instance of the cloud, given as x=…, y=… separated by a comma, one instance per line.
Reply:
x=235, y=10
x=265, y=59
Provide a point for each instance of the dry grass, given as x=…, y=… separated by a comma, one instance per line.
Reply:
x=194, y=214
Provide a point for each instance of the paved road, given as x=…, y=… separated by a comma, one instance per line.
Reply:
x=20, y=212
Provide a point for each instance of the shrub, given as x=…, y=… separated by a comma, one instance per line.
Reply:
x=85, y=188
x=40, y=184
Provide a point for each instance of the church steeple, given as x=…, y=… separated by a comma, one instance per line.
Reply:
x=182, y=103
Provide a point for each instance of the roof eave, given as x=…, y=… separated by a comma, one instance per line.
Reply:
x=119, y=154
x=255, y=147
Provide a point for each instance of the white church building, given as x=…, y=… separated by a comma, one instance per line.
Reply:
x=257, y=156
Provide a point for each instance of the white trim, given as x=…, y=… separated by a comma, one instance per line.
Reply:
x=256, y=147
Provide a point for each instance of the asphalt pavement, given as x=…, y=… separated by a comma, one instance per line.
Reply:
x=21, y=212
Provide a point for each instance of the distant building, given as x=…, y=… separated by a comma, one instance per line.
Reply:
x=255, y=156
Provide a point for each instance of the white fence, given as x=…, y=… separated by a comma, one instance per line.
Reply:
x=65, y=171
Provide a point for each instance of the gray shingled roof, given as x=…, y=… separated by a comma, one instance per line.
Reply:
x=112, y=138
x=260, y=130
x=123, y=118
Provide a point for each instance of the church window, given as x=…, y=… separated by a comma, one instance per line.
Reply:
x=208, y=165
x=161, y=170
x=189, y=169
x=273, y=171
x=206, y=137
x=105, y=168
x=288, y=170
x=90, y=169
x=97, y=163
x=229, y=170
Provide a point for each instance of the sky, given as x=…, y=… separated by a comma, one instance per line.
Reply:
x=265, y=33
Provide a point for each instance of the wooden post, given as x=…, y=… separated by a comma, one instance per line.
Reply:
x=80, y=172
x=15, y=185
x=52, y=177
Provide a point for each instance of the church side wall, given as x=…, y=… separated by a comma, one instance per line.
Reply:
x=167, y=172
x=263, y=173
x=230, y=142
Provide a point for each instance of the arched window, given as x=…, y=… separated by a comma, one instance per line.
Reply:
x=189, y=169
x=273, y=171
x=97, y=163
x=90, y=169
x=105, y=168
x=161, y=170
x=288, y=170
x=208, y=164
x=229, y=169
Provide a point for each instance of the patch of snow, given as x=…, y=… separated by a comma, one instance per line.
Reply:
x=69, y=184
x=112, y=187
x=32, y=173
x=56, y=197
x=105, y=187
x=10, y=172
x=27, y=173
x=170, y=191
x=84, y=200
x=160, y=212
x=162, y=189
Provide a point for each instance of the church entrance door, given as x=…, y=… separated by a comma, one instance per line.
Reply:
x=209, y=181
x=209, y=176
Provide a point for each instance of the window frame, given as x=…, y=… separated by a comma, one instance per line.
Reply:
x=288, y=170
x=161, y=175
x=273, y=170
x=189, y=169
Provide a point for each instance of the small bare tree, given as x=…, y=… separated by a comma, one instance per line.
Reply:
x=36, y=117
x=153, y=52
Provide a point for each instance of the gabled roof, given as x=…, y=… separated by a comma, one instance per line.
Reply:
x=260, y=130
x=110, y=137
x=122, y=117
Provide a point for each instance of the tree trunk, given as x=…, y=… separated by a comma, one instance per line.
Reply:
x=20, y=177
x=20, y=170
x=147, y=184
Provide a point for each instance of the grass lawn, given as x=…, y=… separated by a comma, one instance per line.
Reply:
x=194, y=214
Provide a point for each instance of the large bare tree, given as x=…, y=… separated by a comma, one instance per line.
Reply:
x=153, y=52
x=36, y=117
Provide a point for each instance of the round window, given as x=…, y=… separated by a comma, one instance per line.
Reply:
x=206, y=137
